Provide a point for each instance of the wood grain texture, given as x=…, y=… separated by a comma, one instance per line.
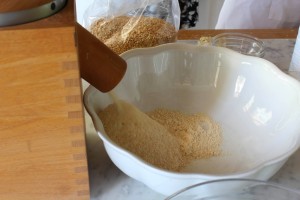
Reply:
x=42, y=138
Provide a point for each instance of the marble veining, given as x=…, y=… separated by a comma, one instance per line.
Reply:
x=107, y=182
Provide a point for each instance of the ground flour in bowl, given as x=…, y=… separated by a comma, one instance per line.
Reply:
x=164, y=138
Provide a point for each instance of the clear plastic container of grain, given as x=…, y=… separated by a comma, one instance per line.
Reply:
x=294, y=69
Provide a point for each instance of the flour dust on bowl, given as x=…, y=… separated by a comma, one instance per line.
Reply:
x=256, y=106
x=236, y=189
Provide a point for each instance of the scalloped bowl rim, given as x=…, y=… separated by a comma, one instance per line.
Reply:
x=179, y=175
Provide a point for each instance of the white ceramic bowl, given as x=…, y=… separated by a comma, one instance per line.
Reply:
x=255, y=103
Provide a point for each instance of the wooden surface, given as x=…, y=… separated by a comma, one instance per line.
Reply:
x=103, y=75
x=42, y=138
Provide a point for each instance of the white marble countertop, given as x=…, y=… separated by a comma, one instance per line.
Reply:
x=107, y=182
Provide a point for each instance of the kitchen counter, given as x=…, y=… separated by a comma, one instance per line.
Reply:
x=108, y=182
x=44, y=145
